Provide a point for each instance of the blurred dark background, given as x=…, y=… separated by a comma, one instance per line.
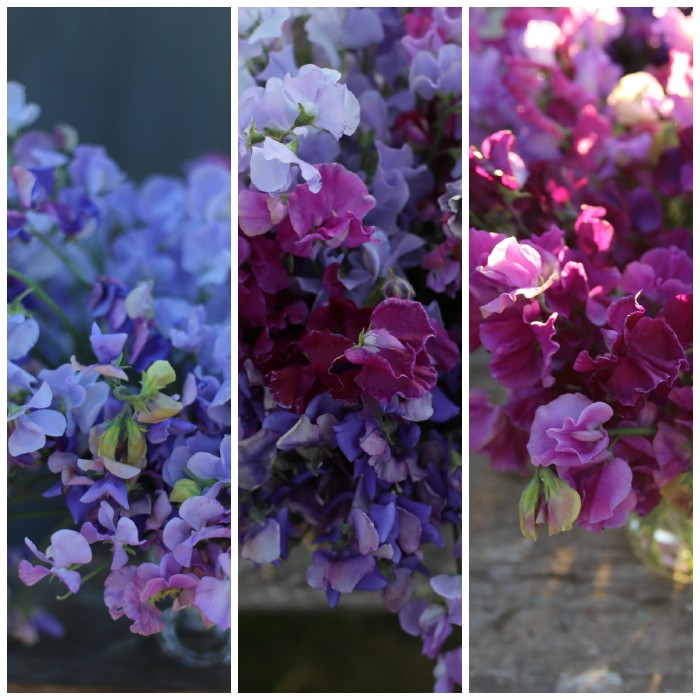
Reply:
x=151, y=84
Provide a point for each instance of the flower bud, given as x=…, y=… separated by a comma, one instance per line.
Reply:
x=184, y=489
x=159, y=408
x=157, y=377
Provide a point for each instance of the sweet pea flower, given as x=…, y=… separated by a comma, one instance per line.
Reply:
x=336, y=574
x=392, y=353
x=20, y=113
x=67, y=548
x=567, y=432
x=33, y=422
x=332, y=215
x=213, y=596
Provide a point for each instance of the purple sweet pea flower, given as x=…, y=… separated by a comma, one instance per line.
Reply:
x=106, y=346
x=442, y=74
x=419, y=619
x=32, y=422
x=213, y=596
x=262, y=544
x=124, y=534
x=22, y=335
x=567, y=432
x=82, y=395
x=67, y=548
x=182, y=533
x=94, y=171
x=450, y=588
x=337, y=574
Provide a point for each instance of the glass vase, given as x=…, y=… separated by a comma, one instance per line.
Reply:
x=186, y=638
x=663, y=541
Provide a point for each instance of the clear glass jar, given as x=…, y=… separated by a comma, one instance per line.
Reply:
x=189, y=640
x=663, y=541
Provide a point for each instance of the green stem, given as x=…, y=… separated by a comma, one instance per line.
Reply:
x=70, y=265
x=632, y=431
x=47, y=300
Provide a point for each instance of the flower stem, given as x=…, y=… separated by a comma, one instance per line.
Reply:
x=632, y=431
x=47, y=300
x=70, y=265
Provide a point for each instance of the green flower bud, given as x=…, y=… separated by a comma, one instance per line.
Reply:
x=562, y=504
x=109, y=440
x=136, y=443
x=184, y=489
x=157, y=377
x=158, y=408
x=528, y=508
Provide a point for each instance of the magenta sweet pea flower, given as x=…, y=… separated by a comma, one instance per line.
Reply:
x=392, y=353
x=332, y=215
x=567, y=432
x=606, y=494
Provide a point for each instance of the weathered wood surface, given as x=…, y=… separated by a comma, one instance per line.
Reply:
x=572, y=611
x=100, y=655
x=541, y=614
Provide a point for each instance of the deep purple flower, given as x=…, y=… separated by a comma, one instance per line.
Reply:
x=642, y=353
x=392, y=353
x=522, y=346
x=337, y=574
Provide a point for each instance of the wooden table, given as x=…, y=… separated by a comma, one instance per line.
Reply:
x=574, y=610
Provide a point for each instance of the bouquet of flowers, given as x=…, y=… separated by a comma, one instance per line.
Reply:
x=580, y=267
x=118, y=373
x=349, y=304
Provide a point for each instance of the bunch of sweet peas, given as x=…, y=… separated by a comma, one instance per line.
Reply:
x=349, y=305
x=119, y=296
x=580, y=257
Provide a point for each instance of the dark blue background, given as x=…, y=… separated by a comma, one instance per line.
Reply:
x=152, y=84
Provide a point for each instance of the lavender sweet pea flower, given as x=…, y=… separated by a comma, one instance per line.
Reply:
x=430, y=75
x=450, y=588
x=213, y=596
x=106, y=346
x=67, y=548
x=124, y=534
x=262, y=544
x=20, y=113
x=94, y=171
x=82, y=395
x=22, y=335
x=568, y=432
x=32, y=422
x=271, y=168
x=182, y=533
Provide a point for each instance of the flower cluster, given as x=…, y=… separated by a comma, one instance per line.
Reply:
x=580, y=284
x=118, y=372
x=349, y=304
